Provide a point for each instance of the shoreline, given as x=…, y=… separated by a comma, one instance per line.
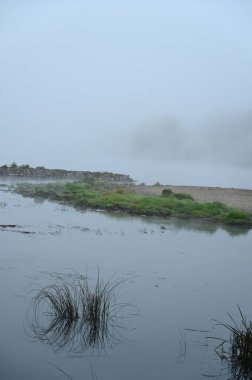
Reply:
x=136, y=200
x=232, y=197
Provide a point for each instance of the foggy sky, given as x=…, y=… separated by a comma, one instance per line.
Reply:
x=160, y=90
x=224, y=139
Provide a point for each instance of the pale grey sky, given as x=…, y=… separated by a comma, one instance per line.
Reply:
x=158, y=89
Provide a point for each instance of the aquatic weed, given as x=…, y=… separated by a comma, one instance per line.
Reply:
x=237, y=350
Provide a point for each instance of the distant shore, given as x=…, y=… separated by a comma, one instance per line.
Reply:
x=26, y=171
x=237, y=198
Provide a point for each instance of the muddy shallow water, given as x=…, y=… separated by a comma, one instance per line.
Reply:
x=175, y=274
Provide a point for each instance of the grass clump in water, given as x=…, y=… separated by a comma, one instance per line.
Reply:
x=75, y=313
x=237, y=350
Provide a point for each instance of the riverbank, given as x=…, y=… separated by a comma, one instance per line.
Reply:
x=101, y=196
x=237, y=198
x=104, y=190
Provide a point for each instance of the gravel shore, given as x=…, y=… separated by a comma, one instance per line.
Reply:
x=238, y=198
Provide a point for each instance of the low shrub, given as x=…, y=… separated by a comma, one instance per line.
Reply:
x=167, y=193
x=183, y=196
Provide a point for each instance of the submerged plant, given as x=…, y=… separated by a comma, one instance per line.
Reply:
x=72, y=312
x=237, y=350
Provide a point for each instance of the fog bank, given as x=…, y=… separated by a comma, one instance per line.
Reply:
x=160, y=90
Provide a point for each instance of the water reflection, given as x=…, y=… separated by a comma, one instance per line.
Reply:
x=39, y=200
x=73, y=314
x=207, y=227
x=187, y=224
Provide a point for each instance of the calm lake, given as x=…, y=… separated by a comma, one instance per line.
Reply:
x=175, y=276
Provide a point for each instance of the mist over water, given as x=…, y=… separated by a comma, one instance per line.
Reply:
x=158, y=90
x=184, y=173
x=215, y=152
x=223, y=139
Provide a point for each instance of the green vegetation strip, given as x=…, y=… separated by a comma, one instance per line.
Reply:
x=98, y=196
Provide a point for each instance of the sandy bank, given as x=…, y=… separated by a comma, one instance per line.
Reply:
x=239, y=198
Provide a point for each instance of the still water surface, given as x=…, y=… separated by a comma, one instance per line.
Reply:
x=178, y=275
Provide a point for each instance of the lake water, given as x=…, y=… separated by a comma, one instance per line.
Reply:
x=176, y=275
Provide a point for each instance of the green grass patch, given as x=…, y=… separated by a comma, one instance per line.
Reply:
x=86, y=195
x=233, y=216
x=183, y=196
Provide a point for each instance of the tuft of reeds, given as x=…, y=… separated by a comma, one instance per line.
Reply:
x=237, y=350
x=76, y=313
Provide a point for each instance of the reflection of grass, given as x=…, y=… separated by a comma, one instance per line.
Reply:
x=86, y=195
x=237, y=350
x=74, y=313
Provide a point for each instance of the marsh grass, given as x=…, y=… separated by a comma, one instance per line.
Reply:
x=75, y=313
x=85, y=195
x=237, y=349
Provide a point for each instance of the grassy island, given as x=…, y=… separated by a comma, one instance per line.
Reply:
x=98, y=195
